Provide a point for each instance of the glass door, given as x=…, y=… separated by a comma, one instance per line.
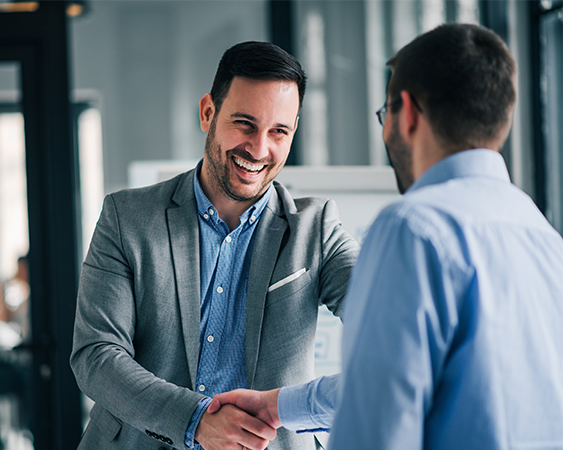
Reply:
x=16, y=390
x=39, y=232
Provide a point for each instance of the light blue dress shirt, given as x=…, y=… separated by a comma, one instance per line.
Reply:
x=224, y=269
x=453, y=330
x=309, y=407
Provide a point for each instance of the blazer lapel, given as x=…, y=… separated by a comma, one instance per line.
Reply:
x=269, y=234
x=184, y=238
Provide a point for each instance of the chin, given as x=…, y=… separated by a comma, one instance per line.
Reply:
x=243, y=194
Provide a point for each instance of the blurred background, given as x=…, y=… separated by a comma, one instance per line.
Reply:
x=96, y=95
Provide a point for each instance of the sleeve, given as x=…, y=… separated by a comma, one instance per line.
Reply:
x=189, y=440
x=339, y=254
x=400, y=314
x=103, y=355
x=309, y=407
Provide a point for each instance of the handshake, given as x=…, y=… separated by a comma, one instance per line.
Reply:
x=240, y=419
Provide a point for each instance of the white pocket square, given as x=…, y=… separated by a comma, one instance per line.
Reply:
x=286, y=280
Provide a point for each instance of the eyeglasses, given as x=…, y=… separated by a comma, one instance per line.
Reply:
x=381, y=113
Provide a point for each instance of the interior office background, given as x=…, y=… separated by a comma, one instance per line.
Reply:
x=135, y=71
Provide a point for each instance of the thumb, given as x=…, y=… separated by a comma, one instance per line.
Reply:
x=231, y=397
x=220, y=400
x=214, y=406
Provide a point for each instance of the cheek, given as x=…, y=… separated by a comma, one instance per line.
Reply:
x=385, y=132
x=228, y=144
x=280, y=152
x=229, y=139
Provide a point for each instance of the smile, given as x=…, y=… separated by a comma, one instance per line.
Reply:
x=250, y=168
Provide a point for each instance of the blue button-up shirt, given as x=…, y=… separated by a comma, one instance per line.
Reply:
x=453, y=330
x=225, y=258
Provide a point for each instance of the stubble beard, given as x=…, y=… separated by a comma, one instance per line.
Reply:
x=220, y=174
x=400, y=157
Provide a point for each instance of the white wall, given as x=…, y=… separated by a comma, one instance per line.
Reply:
x=146, y=64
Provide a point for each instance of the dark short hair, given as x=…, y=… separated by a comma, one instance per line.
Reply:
x=463, y=75
x=258, y=61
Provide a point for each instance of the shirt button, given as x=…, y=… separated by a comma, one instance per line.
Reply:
x=253, y=218
x=210, y=338
x=220, y=290
x=201, y=387
x=228, y=239
x=211, y=212
x=205, y=216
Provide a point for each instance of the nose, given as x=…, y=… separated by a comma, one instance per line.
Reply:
x=257, y=146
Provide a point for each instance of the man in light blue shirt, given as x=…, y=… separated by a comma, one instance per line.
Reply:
x=453, y=327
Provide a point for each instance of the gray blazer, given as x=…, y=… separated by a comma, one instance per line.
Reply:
x=136, y=335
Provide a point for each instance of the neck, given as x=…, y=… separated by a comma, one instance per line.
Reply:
x=427, y=150
x=229, y=209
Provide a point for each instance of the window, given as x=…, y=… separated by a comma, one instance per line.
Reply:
x=343, y=46
x=551, y=88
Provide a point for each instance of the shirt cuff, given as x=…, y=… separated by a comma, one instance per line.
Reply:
x=309, y=407
x=189, y=439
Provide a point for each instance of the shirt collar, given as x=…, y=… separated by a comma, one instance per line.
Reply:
x=480, y=162
x=206, y=209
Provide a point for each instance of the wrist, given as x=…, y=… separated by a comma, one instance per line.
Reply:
x=273, y=409
x=193, y=426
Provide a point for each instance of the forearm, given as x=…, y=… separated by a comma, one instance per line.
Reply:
x=131, y=393
x=309, y=407
x=105, y=364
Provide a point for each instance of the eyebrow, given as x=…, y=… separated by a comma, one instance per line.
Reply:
x=241, y=115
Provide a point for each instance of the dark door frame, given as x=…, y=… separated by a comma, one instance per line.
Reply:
x=280, y=14
x=540, y=169
x=38, y=41
x=536, y=11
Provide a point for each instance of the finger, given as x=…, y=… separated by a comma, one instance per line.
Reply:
x=256, y=427
x=222, y=399
x=250, y=441
x=214, y=406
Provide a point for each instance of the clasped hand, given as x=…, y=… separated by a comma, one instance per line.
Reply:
x=240, y=419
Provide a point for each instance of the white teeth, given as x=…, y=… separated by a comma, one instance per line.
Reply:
x=248, y=166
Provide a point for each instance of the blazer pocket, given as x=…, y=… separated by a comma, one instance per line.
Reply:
x=288, y=286
x=287, y=280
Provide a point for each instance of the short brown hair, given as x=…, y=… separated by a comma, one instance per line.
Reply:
x=463, y=76
x=258, y=61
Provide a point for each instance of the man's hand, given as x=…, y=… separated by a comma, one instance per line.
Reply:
x=233, y=429
x=261, y=404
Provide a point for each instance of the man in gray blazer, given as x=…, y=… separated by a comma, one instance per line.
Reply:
x=210, y=281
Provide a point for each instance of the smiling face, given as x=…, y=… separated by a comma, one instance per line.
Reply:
x=248, y=140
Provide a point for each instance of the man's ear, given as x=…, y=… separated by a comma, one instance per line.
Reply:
x=411, y=115
x=206, y=112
